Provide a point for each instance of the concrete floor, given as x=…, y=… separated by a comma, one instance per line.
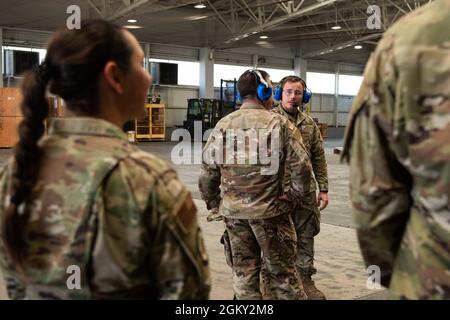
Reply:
x=341, y=273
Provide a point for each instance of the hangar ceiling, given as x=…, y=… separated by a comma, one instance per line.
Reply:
x=301, y=27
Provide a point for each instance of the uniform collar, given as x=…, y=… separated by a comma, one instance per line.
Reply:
x=296, y=119
x=85, y=126
x=252, y=106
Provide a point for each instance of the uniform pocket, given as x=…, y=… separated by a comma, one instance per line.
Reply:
x=225, y=240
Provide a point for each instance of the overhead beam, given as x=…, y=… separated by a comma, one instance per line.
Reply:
x=397, y=6
x=100, y=12
x=341, y=46
x=106, y=7
x=299, y=5
x=318, y=33
x=128, y=9
x=160, y=8
x=248, y=13
x=317, y=23
x=219, y=16
x=275, y=22
x=273, y=12
x=261, y=13
x=409, y=7
x=371, y=42
x=317, y=30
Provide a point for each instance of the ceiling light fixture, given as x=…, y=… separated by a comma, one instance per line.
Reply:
x=194, y=18
x=132, y=20
x=358, y=47
x=336, y=26
x=132, y=27
x=200, y=5
x=263, y=37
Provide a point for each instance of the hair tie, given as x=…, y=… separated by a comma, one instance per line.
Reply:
x=44, y=71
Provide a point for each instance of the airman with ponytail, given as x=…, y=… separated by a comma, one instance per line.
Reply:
x=82, y=198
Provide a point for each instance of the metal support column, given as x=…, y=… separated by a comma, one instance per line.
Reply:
x=336, y=96
x=300, y=67
x=255, y=61
x=206, y=89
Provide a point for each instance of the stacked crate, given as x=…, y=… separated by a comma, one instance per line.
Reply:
x=55, y=107
x=10, y=116
x=142, y=126
x=323, y=130
x=323, y=127
x=158, y=123
x=152, y=125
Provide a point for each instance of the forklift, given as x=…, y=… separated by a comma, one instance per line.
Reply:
x=228, y=96
x=210, y=111
x=206, y=111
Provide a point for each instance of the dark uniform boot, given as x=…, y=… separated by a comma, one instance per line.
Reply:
x=310, y=288
x=214, y=215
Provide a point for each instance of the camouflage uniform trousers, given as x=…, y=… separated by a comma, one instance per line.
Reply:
x=272, y=241
x=306, y=219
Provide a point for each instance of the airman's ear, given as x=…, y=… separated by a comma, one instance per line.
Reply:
x=113, y=76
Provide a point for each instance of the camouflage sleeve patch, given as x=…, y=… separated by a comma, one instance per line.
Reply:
x=187, y=213
x=157, y=216
x=180, y=260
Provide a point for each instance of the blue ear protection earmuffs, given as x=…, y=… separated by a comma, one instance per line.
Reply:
x=307, y=94
x=263, y=90
x=238, y=96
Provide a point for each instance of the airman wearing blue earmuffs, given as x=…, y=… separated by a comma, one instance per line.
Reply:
x=293, y=93
x=307, y=94
x=263, y=90
x=248, y=152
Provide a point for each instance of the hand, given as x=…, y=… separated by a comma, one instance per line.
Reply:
x=322, y=200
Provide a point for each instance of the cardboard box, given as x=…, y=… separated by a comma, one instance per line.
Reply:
x=8, y=132
x=15, y=132
x=10, y=100
x=55, y=107
x=323, y=130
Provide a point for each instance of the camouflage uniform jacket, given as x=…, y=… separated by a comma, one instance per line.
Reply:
x=117, y=213
x=398, y=146
x=313, y=141
x=247, y=192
